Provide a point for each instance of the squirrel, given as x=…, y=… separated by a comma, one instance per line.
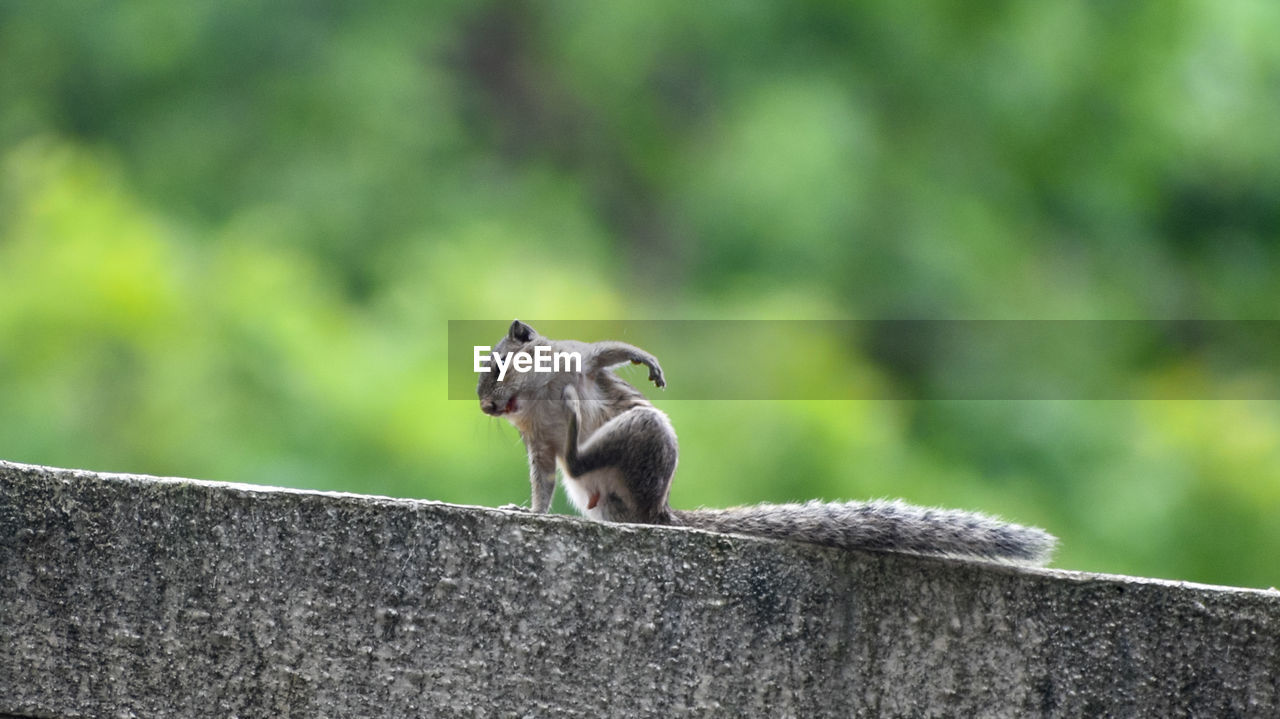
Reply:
x=618, y=454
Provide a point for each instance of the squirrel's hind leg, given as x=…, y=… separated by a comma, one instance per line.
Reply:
x=631, y=459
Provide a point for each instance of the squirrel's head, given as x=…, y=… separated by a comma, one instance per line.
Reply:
x=501, y=396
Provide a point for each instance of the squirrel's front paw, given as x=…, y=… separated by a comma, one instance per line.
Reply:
x=514, y=508
x=655, y=376
x=655, y=372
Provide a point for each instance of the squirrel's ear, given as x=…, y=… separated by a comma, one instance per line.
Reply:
x=520, y=332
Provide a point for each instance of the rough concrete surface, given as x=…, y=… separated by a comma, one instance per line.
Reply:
x=124, y=596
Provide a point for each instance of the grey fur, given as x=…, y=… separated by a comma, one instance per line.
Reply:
x=535, y=403
x=622, y=470
x=889, y=526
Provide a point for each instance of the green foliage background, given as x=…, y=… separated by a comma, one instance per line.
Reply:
x=232, y=233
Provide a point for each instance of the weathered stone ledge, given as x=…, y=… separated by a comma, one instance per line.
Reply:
x=130, y=596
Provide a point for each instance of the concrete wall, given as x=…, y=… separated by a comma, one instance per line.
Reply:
x=130, y=596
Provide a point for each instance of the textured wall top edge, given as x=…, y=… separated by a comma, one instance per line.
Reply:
x=125, y=595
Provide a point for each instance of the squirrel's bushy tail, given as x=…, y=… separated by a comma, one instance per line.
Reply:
x=887, y=526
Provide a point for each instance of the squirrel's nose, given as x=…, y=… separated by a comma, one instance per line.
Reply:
x=488, y=406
